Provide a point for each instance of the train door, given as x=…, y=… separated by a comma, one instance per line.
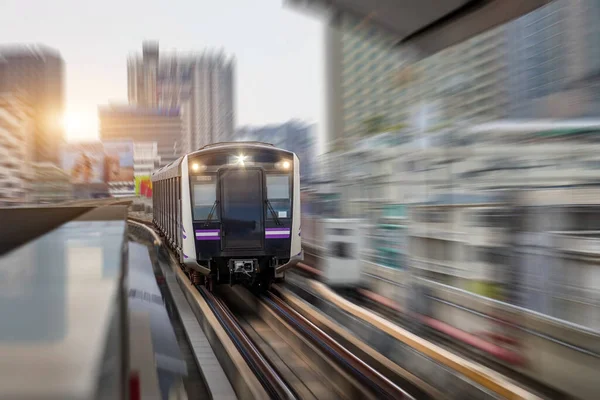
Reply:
x=242, y=207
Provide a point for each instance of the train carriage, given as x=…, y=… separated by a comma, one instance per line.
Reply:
x=231, y=212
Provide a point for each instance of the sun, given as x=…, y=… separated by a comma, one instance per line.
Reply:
x=80, y=126
x=71, y=122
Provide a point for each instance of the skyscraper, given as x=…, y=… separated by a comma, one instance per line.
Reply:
x=38, y=72
x=201, y=85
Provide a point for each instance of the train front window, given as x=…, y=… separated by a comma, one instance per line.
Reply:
x=278, y=193
x=205, y=195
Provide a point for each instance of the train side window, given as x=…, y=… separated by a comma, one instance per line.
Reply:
x=278, y=193
x=205, y=195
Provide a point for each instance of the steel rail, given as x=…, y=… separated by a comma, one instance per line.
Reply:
x=266, y=374
x=367, y=376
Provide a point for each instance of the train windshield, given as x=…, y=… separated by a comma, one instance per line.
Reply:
x=278, y=193
x=205, y=195
x=242, y=197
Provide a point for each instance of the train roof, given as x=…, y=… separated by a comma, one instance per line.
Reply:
x=218, y=146
x=225, y=144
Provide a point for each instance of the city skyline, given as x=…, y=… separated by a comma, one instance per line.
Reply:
x=200, y=84
x=277, y=43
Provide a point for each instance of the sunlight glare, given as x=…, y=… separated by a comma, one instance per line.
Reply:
x=80, y=126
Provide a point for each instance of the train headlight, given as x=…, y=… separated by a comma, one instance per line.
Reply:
x=197, y=167
x=283, y=165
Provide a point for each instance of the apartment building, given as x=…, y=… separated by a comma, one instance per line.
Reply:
x=37, y=71
x=368, y=77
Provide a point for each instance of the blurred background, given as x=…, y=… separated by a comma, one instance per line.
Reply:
x=476, y=167
x=486, y=153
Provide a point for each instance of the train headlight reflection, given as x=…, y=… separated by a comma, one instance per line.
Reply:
x=240, y=159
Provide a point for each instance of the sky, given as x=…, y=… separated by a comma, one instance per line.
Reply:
x=278, y=50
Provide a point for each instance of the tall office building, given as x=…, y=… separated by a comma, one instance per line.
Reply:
x=201, y=85
x=38, y=72
x=143, y=124
x=368, y=77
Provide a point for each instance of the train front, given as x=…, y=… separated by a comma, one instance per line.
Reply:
x=244, y=213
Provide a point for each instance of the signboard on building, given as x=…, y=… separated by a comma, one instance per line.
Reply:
x=143, y=185
x=146, y=189
x=119, y=161
x=84, y=162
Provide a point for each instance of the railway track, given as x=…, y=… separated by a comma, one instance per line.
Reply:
x=326, y=369
x=321, y=367
x=405, y=320
x=297, y=362
x=314, y=364
x=377, y=385
x=273, y=383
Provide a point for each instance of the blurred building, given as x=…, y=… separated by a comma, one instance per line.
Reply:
x=145, y=157
x=39, y=72
x=360, y=66
x=504, y=209
x=370, y=81
x=537, y=249
x=536, y=57
x=554, y=61
x=556, y=252
x=201, y=85
x=16, y=148
x=50, y=184
x=142, y=125
x=459, y=239
x=294, y=136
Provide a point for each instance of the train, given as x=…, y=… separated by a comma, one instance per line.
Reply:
x=231, y=212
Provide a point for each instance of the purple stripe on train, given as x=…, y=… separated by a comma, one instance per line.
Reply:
x=277, y=233
x=208, y=234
